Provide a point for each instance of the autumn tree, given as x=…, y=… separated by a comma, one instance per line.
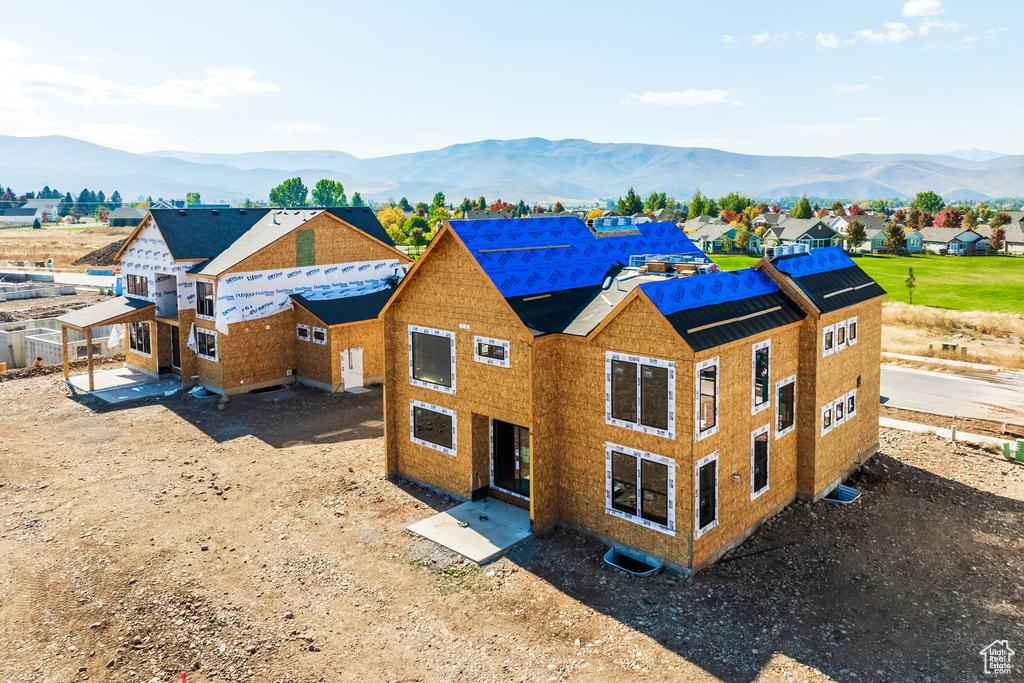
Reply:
x=895, y=238
x=837, y=208
x=762, y=208
x=502, y=206
x=391, y=218
x=984, y=212
x=329, y=193
x=950, y=217
x=802, y=209
x=742, y=239
x=595, y=213
x=927, y=201
x=558, y=208
x=997, y=238
x=899, y=217
x=970, y=221
x=916, y=219
x=630, y=204
x=856, y=235
x=289, y=193
x=729, y=216
x=856, y=210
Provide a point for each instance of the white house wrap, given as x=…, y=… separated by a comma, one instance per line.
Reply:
x=253, y=295
x=149, y=257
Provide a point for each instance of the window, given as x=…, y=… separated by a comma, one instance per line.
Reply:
x=706, y=482
x=319, y=335
x=640, y=487
x=433, y=427
x=840, y=335
x=839, y=411
x=851, y=404
x=828, y=342
x=207, y=344
x=759, y=461
x=826, y=419
x=432, y=358
x=761, y=372
x=785, y=391
x=138, y=285
x=204, y=299
x=851, y=331
x=302, y=332
x=139, y=339
x=640, y=393
x=490, y=351
x=706, y=409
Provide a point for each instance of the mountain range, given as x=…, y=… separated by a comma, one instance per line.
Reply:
x=533, y=169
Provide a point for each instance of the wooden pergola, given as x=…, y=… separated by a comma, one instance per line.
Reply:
x=116, y=311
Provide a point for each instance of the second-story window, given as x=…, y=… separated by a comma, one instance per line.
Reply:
x=432, y=358
x=706, y=400
x=204, y=299
x=761, y=371
x=640, y=393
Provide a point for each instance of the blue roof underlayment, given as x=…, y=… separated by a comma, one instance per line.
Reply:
x=537, y=255
x=678, y=294
x=816, y=261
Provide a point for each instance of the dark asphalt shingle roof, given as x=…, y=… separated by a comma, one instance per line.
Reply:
x=835, y=289
x=710, y=326
x=17, y=213
x=193, y=234
x=346, y=310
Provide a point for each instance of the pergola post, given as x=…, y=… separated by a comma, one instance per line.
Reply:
x=88, y=351
x=64, y=352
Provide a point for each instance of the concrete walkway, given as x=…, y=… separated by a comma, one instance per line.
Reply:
x=479, y=530
x=979, y=439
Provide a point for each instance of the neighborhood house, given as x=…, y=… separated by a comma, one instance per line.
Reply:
x=654, y=402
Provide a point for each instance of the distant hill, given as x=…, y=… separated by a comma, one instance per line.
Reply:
x=533, y=169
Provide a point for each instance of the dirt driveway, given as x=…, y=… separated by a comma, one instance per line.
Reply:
x=262, y=543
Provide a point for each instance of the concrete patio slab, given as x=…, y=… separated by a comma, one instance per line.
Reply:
x=122, y=384
x=491, y=528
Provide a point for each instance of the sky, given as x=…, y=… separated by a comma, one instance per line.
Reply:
x=379, y=78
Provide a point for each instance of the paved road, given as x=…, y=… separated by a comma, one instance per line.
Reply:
x=981, y=394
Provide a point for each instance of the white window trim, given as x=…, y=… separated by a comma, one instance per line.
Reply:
x=413, y=405
x=309, y=335
x=669, y=528
x=850, y=414
x=493, y=485
x=698, y=435
x=477, y=340
x=840, y=325
x=136, y=351
x=697, y=530
x=778, y=385
x=754, y=495
x=850, y=341
x=211, y=318
x=756, y=408
x=832, y=419
x=216, y=344
x=430, y=385
x=610, y=356
x=824, y=335
x=840, y=403
x=313, y=335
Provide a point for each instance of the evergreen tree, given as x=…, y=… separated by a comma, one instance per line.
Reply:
x=630, y=204
x=481, y=203
x=802, y=209
x=404, y=205
x=115, y=199
x=557, y=208
x=357, y=199
x=439, y=200
x=466, y=206
x=521, y=209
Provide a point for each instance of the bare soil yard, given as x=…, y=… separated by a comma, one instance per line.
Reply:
x=47, y=307
x=63, y=245
x=263, y=543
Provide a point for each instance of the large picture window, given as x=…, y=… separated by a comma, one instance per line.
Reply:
x=433, y=427
x=761, y=364
x=640, y=487
x=139, y=339
x=759, y=461
x=432, y=358
x=706, y=492
x=640, y=393
x=204, y=299
x=206, y=341
x=785, y=391
x=706, y=403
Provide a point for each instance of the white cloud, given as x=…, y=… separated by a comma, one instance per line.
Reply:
x=878, y=78
x=762, y=37
x=944, y=26
x=9, y=50
x=298, y=128
x=827, y=41
x=895, y=33
x=29, y=84
x=922, y=8
x=729, y=39
x=685, y=98
x=970, y=39
x=851, y=88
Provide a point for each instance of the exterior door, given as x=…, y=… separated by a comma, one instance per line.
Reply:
x=352, y=368
x=175, y=348
x=510, y=467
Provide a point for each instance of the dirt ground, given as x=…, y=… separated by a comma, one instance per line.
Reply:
x=263, y=543
x=47, y=307
x=63, y=245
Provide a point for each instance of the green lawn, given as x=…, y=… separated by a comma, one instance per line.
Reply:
x=989, y=283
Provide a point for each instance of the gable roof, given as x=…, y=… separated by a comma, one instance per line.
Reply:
x=45, y=204
x=19, y=213
x=538, y=255
x=127, y=212
x=278, y=223
x=484, y=214
x=829, y=277
x=795, y=228
x=869, y=222
x=946, y=235
x=774, y=218
x=196, y=234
